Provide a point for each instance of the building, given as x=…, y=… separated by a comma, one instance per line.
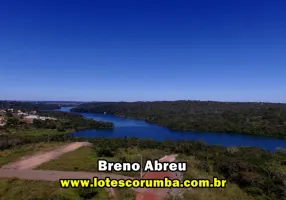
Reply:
x=28, y=120
x=21, y=113
x=47, y=118
x=1, y=118
x=2, y=121
x=31, y=118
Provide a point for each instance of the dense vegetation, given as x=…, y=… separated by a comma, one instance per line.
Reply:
x=260, y=173
x=66, y=120
x=13, y=141
x=28, y=106
x=267, y=119
x=17, y=132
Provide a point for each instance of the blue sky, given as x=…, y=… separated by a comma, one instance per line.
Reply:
x=143, y=50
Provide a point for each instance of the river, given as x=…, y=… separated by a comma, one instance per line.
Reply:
x=141, y=129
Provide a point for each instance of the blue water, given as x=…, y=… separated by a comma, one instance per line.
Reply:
x=141, y=129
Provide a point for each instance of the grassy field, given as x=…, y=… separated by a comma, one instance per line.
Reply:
x=85, y=159
x=13, y=189
x=9, y=155
x=37, y=132
x=82, y=159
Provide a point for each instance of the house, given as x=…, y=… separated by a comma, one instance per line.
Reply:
x=22, y=113
x=47, y=118
x=1, y=118
x=2, y=121
x=30, y=118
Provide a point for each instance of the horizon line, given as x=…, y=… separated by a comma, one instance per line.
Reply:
x=84, y=101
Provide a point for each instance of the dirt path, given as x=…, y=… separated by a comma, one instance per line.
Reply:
x=22, y=169
x=33, y=161
x=168, y=158
x=158, y=193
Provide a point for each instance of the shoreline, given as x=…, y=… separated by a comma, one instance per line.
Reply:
x=180, y=130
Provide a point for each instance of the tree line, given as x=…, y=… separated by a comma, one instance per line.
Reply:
x=63, y=121
x=12, y=141
x=27, y=106
x=265, y=119
x=69, y=120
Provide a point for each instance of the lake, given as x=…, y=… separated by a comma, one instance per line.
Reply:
x=141, y=129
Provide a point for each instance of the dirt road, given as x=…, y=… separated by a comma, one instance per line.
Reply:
x=22, y=169
x=158, y=193
x=33, y=161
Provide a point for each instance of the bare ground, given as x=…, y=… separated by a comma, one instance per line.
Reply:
x=33, y=161
x=22, y=169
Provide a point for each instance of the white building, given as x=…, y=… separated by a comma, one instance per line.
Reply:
x=32, y=117
x=2, y=111
x=49, y=118
x=22, y=113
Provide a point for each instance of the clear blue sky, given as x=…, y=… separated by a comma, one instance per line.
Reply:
x=143, y=50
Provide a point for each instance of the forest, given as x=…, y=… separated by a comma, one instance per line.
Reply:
x=68, y=120
x=65, y=121
x=15, y=131
x=28, y=106
x=265, y=119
